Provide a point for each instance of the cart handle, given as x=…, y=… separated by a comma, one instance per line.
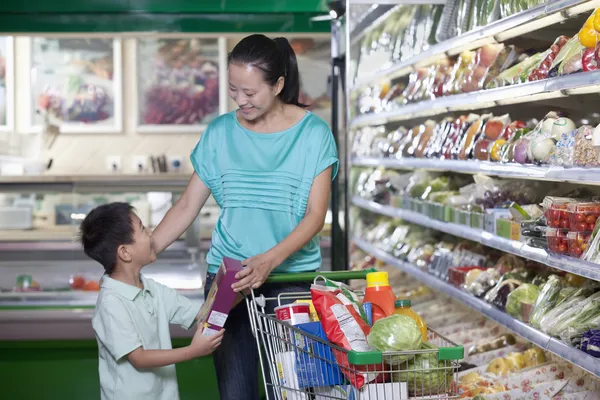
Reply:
x=310, y=276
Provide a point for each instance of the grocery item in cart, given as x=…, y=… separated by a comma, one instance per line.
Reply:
x=344, y=328
x=220, y=298
x=396, y=333
x=293, y=314
x=315, y=362
x=403, y=307
x=380, y=294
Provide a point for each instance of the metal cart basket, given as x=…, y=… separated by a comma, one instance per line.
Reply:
x=299, y=363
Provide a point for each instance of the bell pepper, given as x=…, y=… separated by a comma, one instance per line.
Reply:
x=589, y=61
x=597, y=20
x=588, y=37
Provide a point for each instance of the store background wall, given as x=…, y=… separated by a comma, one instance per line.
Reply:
x=86, y=153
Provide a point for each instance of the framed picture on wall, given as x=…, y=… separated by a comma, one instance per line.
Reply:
x=78, y=81
x=7, y=84
x=180, y=83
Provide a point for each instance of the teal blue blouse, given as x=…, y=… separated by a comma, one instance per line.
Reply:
x=261, y=182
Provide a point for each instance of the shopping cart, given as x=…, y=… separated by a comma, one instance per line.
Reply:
x=300, y=364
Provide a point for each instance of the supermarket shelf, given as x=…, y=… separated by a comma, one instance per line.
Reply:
x=92, y=183
x=550, y=13
x=570, y=354
x=549, y=173
x=581, y=83
x=371, y=19
x=568, y=264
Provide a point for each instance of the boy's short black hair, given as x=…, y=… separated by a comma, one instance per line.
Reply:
x=104, y=229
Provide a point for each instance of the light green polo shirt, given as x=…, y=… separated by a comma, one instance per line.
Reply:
x=126, y=318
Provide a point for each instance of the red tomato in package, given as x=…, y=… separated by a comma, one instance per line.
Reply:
x=345, y=328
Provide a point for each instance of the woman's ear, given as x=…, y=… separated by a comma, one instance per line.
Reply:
x=124, y=254
x=279, y=85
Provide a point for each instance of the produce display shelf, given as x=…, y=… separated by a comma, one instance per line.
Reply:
x=590, y=176
x=370, y=20
x=564, y=263
x=575, y=356
x=561, y=86
x=549, y=13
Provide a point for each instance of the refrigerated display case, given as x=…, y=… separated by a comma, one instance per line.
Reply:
x=460, y=133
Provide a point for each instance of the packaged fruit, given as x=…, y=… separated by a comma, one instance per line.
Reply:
x=583, y=216
x=555, y=211
x=577, y=243
x=557, y=240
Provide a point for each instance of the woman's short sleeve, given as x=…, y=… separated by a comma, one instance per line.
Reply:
x=203, y=158
x=328, y=155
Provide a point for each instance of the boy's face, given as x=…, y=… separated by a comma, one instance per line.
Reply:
x=142, y=248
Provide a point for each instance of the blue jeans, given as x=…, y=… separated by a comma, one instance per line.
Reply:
x=236, y=360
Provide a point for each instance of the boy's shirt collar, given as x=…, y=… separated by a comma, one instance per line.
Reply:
x=127, y=291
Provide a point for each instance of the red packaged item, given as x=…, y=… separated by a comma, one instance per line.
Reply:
x=557, y=240
x=577, y=243
x=555, y=211
x=542, y=71
x=583, y=216
x=345, y=328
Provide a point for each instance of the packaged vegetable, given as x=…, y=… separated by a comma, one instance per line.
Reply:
x=526, y=293
x=457, y=75
x=396, y=333
x=564, y=151
x=345, y=328
x=585, y=153
x=542, y=70
x=425, y=374
x=546, y=300
x=577, y=320
x=468, y=141
x=519, y=73
x=572, y=300
x=477, y=70
x=568, y=60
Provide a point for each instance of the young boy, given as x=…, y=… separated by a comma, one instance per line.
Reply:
x=133, y=312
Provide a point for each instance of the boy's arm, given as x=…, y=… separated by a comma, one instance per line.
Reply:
x=200, y=346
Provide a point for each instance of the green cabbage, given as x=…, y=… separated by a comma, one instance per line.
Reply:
x=396, y=333
x=526, y=293
x=425, y=374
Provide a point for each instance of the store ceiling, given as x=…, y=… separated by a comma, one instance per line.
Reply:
x=204, y=16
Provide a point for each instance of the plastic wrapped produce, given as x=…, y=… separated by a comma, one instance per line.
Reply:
x=423, y=139
x=457, y=75
x=491, y=132
x=441, y=132
x=569, y=59
x=585, y=153
x=546, y=300
x=477, y=70
x=516, y=74
x=542, y=69
x=564, y=151
x=526, y=293
x=483, y=13
x=468, y=142
x=579, y=319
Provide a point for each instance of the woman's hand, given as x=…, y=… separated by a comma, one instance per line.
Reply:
x=256, y=272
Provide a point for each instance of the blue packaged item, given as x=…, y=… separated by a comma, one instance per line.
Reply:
x=316, y=365
x=368, y=307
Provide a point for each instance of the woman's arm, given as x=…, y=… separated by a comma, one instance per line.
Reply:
x=259, y=267
x=181, y=215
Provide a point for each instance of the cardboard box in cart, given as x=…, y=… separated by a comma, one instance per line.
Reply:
x=220, y=299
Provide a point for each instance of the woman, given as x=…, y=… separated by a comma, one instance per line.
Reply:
x=269, y=166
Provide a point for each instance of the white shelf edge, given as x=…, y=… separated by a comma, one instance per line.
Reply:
x=549, y=173
x=488, y=32
x=571, y=354
x=558, y=86
x=567, y=264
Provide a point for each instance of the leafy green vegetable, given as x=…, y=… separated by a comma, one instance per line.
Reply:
x=395, y=333
x=526, y=293
x=425, y=374
x=546, y=300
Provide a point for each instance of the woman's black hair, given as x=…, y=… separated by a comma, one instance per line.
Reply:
x=275, y=58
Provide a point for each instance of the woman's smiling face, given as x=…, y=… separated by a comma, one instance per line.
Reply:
x=253, y=95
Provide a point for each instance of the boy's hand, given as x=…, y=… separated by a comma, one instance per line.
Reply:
x=204, y=345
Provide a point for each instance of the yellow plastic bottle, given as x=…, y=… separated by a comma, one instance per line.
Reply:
x=403, y=308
